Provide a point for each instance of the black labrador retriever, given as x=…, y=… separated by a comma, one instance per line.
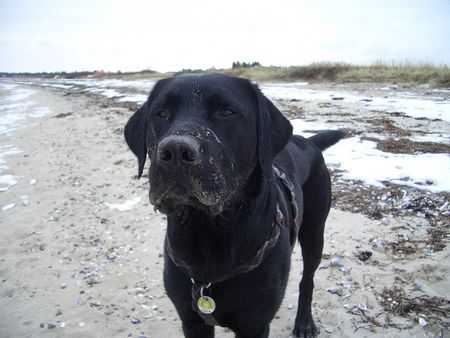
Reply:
x=238, y=189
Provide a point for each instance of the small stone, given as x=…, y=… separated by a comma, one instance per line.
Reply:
x=42, y=247
x=336, y=261
x=134, y=320
x=290, y=306
x=33, y=181
x=154, y=307
x=62, y=324
x=51, y=325
x=24, y=200
x=58, y=312
x=417, y=284
x=63, y=286
x=42, y=325
x=81, y=324
x=336, y=291
x=422, y=321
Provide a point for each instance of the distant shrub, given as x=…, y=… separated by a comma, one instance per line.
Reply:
x=245, y=65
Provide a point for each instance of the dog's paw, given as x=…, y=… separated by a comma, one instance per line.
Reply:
x=306, y=330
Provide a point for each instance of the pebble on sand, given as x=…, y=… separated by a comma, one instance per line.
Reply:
x=336, y=261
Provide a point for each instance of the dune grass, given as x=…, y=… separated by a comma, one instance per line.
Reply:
x=405, y=73
x=397, y=73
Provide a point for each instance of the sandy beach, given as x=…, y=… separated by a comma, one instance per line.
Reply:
x=81, y=248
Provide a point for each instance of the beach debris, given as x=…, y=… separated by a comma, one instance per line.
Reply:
x=403, y=245
x=396, y=301
x=364, y=255
x=8, y=206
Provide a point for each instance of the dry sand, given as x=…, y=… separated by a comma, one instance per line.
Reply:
x=73, y=265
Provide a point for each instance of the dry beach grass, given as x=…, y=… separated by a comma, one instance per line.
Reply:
x=74, y=264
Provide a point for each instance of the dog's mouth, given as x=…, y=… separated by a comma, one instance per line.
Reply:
x=176, y=197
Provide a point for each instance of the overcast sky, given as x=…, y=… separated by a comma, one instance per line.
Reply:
x=163, y=35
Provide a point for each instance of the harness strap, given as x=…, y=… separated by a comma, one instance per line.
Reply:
x=290, y=187
x=249, y=264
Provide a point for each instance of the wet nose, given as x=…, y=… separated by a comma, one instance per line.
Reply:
x=178, y=150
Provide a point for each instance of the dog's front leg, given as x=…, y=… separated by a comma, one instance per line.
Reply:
x=316, y=207
x=263, y=333
x=312, y=252
x=197, y=329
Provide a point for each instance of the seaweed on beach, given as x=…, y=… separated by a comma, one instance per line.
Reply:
x=404, y=245
x=407, y=146
x=396, y=301
x=396, y=200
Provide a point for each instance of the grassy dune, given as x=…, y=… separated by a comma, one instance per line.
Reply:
x=401, y=73
x=409, y=74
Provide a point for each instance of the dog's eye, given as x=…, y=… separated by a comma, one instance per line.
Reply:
x=225, y=112
x=162, y=114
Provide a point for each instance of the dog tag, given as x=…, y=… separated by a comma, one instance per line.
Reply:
x=206, y=305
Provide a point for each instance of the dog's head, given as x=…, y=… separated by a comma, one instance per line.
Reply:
x=205, y=137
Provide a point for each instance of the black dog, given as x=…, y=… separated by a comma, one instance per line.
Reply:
x=238, y=189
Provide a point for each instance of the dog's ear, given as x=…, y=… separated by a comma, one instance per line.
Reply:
x=135, y=136
x=274, y=132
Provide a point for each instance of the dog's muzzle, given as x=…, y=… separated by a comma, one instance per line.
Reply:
x=186, y=174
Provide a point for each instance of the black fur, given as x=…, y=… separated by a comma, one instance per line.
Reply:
x=217, y=185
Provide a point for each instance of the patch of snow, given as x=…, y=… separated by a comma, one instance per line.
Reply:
x=8, y=206
x=436, y=138
x=7, y=181
x=125, y=206
x=138, y=98
x=407, y=103
x=360, y=160
x=6, y=150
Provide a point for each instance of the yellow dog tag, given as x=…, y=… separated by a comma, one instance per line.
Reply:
x=206, y=305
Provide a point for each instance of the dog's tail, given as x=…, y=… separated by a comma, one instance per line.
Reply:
x=327, y=138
